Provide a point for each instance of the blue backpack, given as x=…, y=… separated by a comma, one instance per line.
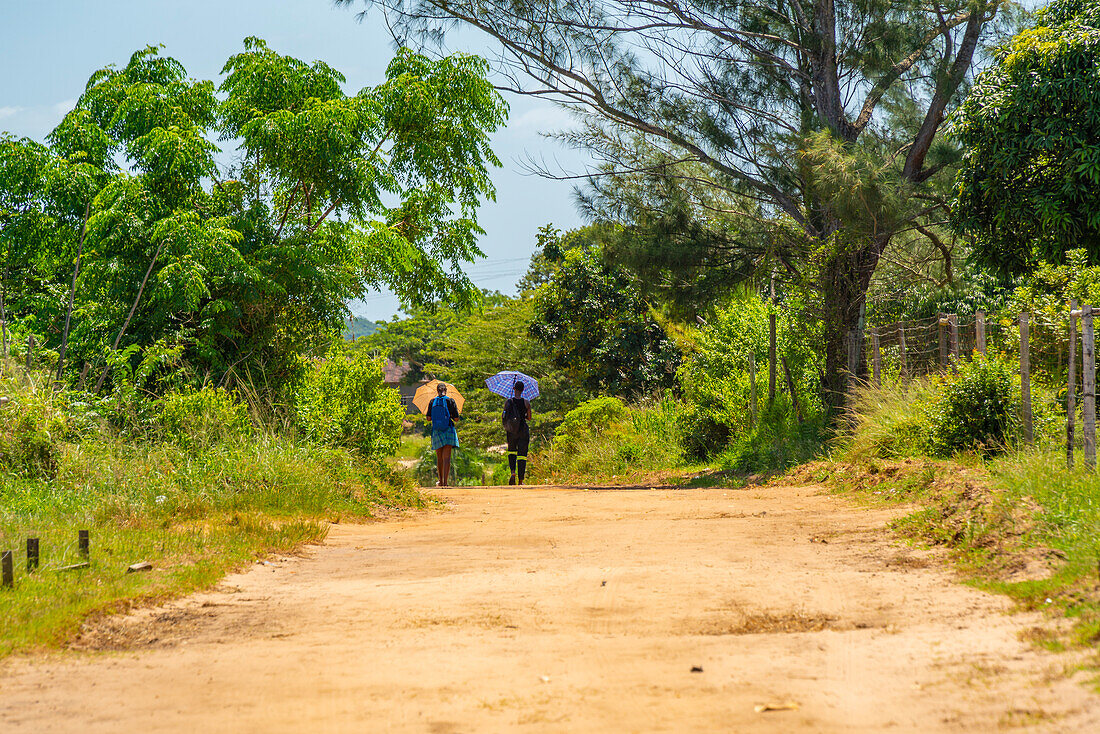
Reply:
x=440, y=413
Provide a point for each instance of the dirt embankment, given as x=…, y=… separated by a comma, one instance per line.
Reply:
x=552, y=610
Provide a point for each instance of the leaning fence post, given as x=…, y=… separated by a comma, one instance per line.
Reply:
x=32, y=555
x=7, y=573
x=1025, y=377
x=876, y=357
x=1088, y=386
x=1071, y=383
x=752, y=386
x=979, y=332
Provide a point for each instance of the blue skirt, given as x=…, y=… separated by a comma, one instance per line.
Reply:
x=446, y=437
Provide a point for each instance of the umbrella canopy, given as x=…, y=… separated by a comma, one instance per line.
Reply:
x=503, y=384
x=425, y=393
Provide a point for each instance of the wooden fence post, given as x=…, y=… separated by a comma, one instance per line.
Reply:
x=979, y=332
x=1071, y=383
x=901, y=346
x=752, y=387
x=771, y=359
x=953, y=324
x=853, y=357
x=32, y=555
x=876, y=357
x=1025, y=377
x=30, y=352
x=1088, y=386
x=83, y=544
x=941, y=322
x=7, y=574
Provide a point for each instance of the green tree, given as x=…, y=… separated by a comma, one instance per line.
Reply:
x=1029, y=187
x=779, y=104
x=332, y=194
x=594, y=323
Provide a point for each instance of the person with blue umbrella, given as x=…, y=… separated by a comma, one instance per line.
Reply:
x=519, y=389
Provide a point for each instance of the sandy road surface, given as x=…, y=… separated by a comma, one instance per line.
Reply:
x=556, y=610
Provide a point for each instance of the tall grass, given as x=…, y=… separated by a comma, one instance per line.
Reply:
x=614, y=444
x=193, y=506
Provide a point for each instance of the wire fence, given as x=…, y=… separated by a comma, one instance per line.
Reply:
x=1055, y=349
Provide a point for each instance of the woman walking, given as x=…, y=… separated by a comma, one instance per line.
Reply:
x=443, y=413
x=517, y=411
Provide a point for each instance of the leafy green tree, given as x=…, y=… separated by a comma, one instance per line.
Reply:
x=332, y=194
x=44, y=198
x=1029, y=187
x=814, y=124
x=594, y=323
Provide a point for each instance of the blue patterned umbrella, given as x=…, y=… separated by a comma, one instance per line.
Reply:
x=503, y=384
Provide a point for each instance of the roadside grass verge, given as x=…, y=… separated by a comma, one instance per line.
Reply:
x=1014, y=519
x=1021, y=525
x=194, y=513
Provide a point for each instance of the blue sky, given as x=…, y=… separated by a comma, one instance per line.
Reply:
x=48, y=48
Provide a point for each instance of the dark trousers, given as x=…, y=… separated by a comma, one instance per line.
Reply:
x=518, y=443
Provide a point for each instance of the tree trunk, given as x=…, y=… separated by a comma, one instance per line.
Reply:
x=126, y=323
x=845, y=279
x=72, y=296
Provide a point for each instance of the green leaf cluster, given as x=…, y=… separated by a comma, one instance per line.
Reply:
x=1029, y=187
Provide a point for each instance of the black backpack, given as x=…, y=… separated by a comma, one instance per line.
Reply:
x=515, y=415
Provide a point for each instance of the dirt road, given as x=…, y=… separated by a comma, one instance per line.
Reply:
x=557, y=610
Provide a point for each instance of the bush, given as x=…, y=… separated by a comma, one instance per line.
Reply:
x=590, y=419
x=27, y=447
x=976, y=410
x=201, y=417
x=603, y=439
x=343, y=401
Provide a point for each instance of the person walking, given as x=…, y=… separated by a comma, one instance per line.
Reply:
x=517, y=411
x=443, y=413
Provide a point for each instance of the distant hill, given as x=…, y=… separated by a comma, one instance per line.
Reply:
x=358, y=326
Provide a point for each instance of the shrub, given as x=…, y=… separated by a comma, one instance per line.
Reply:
x=976, y=410
x=604, y=439
x=590, y=419
x=201, y=417
x=343, y=401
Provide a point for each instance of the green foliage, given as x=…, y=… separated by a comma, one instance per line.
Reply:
x=344, y=402
x=976, y=410
x=1028, y=189
x=776, y=442
x=32, y=427
x=603, y=440
x=593, y=321
x=200, y=417
x=591, y=419
x=333, y=194
x=715, y=376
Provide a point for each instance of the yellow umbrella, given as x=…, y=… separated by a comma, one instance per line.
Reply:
x=425, y=393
